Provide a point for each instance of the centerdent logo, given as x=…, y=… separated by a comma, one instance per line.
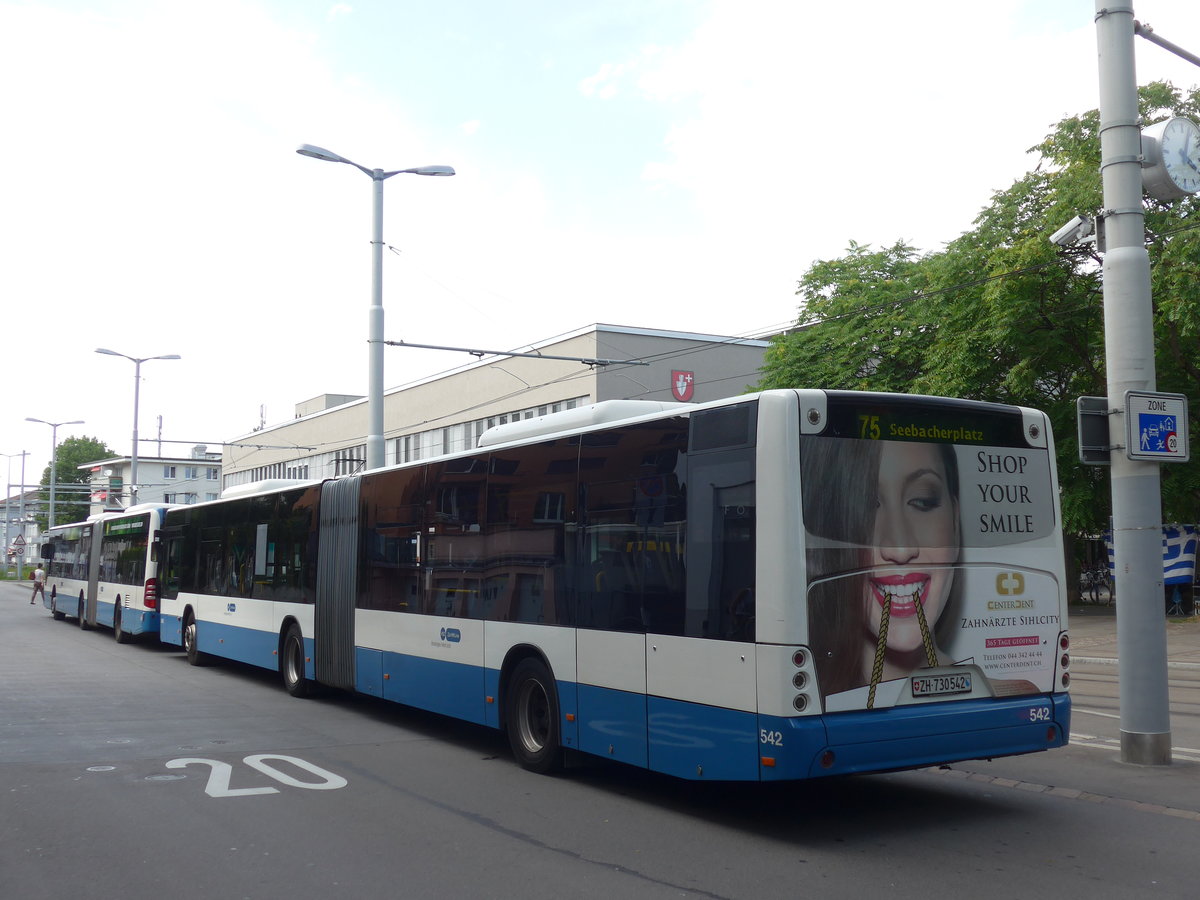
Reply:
x=1010, y=584
x=451, y=635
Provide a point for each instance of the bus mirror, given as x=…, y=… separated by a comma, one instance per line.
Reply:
x=155, y=549
x=47, y=551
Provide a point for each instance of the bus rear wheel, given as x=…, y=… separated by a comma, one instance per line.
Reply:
x=531, y=717
x=291, y=664
x=83, y=622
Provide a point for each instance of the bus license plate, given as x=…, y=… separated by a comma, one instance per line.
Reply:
x=932, y=685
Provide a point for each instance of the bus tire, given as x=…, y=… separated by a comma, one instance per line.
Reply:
x=291, y=664
x=57, y=614
x=190, y=646
x=531, y=717
x=83, y=622
x=122, y=637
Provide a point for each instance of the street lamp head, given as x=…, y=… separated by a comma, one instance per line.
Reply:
x=54, y=424
x=321, y=153
x=432, y=170
x=134, y=359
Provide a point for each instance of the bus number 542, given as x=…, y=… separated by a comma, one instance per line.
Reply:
x=774, y=738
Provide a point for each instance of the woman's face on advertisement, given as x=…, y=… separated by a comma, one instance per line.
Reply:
x=915, y=540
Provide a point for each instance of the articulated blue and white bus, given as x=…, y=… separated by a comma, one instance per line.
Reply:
x=104, y=571
x=778, y=586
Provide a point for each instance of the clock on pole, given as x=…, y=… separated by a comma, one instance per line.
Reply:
x=1171, y=158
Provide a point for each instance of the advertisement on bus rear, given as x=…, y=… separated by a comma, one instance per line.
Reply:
x=923, y=579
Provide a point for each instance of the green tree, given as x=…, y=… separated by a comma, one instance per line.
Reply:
x=1002, y=314
x=70, y=504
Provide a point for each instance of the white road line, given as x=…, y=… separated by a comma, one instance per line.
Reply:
x=1094, y=712
x=1092, y=742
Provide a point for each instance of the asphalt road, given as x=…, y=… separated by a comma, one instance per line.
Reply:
x=124, y=772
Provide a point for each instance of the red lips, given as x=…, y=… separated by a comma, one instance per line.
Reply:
x=904, y=589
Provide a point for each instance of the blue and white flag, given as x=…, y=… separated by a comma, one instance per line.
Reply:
x=1179, y=553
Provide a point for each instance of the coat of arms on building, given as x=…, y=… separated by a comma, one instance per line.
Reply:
x=683, y=385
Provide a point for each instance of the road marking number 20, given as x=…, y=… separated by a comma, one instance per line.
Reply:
x=222, y=774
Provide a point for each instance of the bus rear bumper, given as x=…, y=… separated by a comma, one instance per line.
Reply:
x=911, y=737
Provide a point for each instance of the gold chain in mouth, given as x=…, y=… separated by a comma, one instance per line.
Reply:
x=885, y=619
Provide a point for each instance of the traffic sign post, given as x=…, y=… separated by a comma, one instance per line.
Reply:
x=1156, y=427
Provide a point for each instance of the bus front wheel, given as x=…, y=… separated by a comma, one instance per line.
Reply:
x=122, y=637
x=291, y=664
x=194, y=656
x=83, y=622
x=58, y=614
x=531, y=717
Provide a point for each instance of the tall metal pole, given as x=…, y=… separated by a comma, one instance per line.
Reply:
x=7, y=491
x=137, y=387
x=1129, y=348
x=375, y=447
x=21, y=557
x=53, y=469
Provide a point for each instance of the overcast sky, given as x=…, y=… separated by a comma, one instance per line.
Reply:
x=670, y=164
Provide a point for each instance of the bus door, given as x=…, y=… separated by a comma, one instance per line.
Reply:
x=170, y=577
x=631, y=586
x=701, y=669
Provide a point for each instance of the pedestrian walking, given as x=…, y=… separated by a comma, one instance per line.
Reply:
x=39, y=584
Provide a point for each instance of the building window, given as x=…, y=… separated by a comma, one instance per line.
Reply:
x=169, y=472
x=210, y=496
x=170, y=498
x=212, y=473
x=412, y=448
x=191, y=472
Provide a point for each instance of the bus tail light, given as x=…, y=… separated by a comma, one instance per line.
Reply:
x=150, y=598
x=800, y=679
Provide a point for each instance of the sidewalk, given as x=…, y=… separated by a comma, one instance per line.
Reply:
x=1093, y=630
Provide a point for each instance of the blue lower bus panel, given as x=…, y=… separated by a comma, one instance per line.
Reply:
x=909, y=737
x=258, y=648
x=690, y=740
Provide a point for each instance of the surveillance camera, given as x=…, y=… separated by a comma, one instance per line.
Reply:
x=1070, y=233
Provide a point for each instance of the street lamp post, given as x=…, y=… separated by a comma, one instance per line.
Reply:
x=375, y=453
x=137, y=386
x=53, y=456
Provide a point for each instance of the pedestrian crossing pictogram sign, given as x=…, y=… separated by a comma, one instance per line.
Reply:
x=1156, y=427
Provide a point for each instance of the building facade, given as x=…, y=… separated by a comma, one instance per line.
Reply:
x=448, y=412
x=161, y=479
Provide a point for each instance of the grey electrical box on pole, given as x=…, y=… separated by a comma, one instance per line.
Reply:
x=1091, y=417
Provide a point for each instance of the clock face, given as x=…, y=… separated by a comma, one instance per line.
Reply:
x=1181, y=153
